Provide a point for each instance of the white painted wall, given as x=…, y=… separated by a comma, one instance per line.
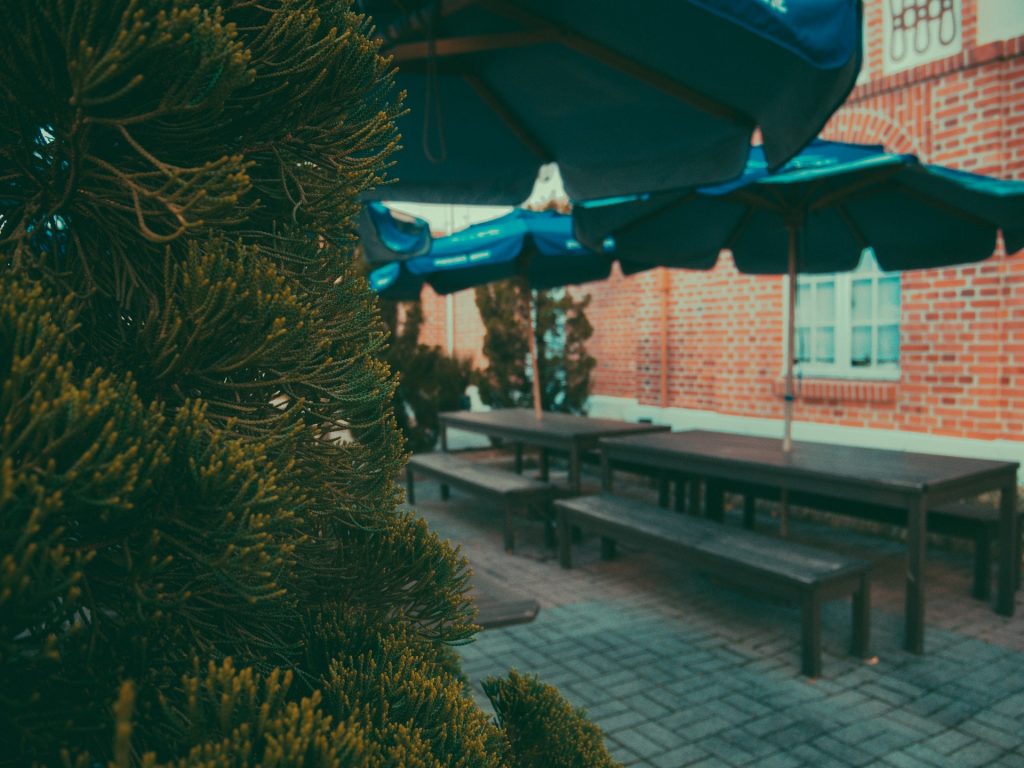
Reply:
x=1000, y=20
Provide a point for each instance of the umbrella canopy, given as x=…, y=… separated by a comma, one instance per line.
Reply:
x=536, y=245
x=817, y=214
x=842, y=198
x=626, y=98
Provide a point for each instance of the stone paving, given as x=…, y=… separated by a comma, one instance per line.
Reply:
x=679, y=669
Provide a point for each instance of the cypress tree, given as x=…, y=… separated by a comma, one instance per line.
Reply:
x=202, y=556
x=561, y=328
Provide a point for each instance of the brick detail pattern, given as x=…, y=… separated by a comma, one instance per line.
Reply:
x=836, y=390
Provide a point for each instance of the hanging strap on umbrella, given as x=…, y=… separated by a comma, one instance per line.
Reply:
x=432, y=105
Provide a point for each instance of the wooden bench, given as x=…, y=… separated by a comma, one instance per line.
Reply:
x=515, y=494
x=780, y=568
x=967, y=519
x=498, y=604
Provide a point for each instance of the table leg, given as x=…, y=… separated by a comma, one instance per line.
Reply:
x=606, y=473
x=545, y=465
x=519, y=458
x=575, y=461
x=679, y=484
x=564, y=543
x=917, y=520
x=444, y=438
x=749, y=509
x=694, y=495
x=714, y=502
x=1009, y=549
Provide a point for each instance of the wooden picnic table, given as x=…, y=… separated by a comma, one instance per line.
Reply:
x=565, y=432
x=913, y=482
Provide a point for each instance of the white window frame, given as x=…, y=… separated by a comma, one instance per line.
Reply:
x=843, y=324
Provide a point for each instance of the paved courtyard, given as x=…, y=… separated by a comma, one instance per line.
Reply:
x=680, y=669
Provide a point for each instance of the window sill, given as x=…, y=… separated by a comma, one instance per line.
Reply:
x=846, y=390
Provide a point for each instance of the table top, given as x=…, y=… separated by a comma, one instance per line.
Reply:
x=849, y=464
x=522, y=421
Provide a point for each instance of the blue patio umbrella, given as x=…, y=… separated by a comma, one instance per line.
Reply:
x=538, y=246
x=654, y=94
x=387, y=235
x=816, y=214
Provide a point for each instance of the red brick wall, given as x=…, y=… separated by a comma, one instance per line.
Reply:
x=468, y=328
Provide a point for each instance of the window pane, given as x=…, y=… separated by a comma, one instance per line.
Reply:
x=860, y=301
x=803, y=345
x=860, y=345
x=803, y=307
x=824, y=345
x=825, y=303
x=889, y=299
x=889, y=344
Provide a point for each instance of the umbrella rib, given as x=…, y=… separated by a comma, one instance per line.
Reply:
x=626, y=65
x=738, y=229
x=683, y=200
x=858, y=233
x=490, y=98
x=943, y=206
x=421, y=19
x=848, y=191
x=460, y=46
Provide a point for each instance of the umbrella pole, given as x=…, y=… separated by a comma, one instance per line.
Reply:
x=787, y=434
x=534, y=363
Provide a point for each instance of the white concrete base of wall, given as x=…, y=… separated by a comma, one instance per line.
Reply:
x=603, y=406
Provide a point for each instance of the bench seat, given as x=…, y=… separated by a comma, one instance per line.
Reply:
x=966, y=519
x=778, y=567
x=514, y=493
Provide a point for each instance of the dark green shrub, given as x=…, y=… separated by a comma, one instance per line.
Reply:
x=429, y=381
x=202, y=556
x=543, y=729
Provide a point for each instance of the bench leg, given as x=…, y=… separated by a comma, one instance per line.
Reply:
x=510, y=537
x=749, y=510
x=410, y=494
x=549, y=526
x=445, y=492
x=982, y=564
x=564, y=540
x=861, y=647
x=810, y=634
x=663, y=490
x=694, y=496
x=607, y=548
x=545, y=464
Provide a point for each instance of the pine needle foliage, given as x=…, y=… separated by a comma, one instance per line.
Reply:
x=202, y=557
x=543, y=728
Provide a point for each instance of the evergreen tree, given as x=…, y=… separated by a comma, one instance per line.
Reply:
x=202, y=558
x=561, y=329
